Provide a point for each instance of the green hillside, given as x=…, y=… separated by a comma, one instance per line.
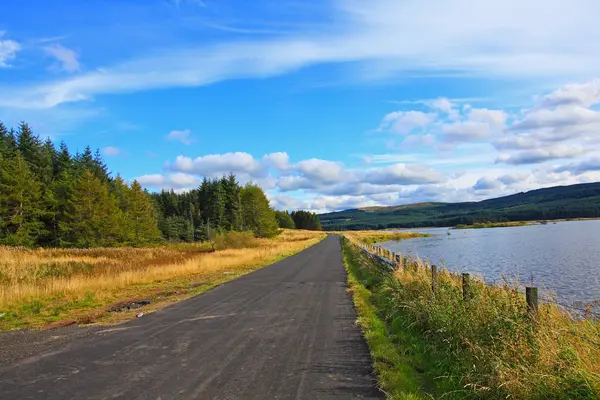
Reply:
x=575, y=201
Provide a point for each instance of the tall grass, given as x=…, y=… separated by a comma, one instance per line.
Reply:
x=488, y=347
x=51, y=276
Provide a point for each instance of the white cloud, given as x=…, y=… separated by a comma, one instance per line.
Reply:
x=110, y=151
x=404, y=122
x=496, y=118
x=466, y=131
x=561, y=125
x=177, y=181
x=216, y=165
x=525, y=159
x=581, y=167
x=487, y=184
x=540, y=155
x=578, y=94
x=442, y=104
x=67, y=58
x=8, y=50
x=280, y=161
x=323, y=171
x=182, y=136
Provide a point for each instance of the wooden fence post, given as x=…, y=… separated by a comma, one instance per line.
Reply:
x=406, y=263
x=465, y=286
x=434, y=276
x=531, y=295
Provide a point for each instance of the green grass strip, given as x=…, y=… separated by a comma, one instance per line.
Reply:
x=393, y=363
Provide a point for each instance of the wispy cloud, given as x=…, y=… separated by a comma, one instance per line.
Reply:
x=67, y=58
x=8, y=50
x=545, y=39
x=111, y=151
x=183, y=136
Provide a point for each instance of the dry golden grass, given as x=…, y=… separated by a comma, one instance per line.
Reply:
x=34, y=281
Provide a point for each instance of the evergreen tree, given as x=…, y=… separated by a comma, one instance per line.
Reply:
x=285, y=220
x=306, y=220
x=64, y=162
x=20, y=209
x=231, y=190
x=28, y=144
x=92, y=216
x=140, y=216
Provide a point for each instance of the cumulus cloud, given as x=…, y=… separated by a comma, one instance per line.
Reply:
x=280, y=161
x=578, y=168
x=496, y=118
x=67, y=58
x=466, y=131
x=8, y=50
x=219, y=164
x=442, y=104
x=404, y=122
x=576, y=94
x=562, y=124
x=182, y=136
x=169, y=181
x=540, y=155
x=526, y=157
x=487, y=184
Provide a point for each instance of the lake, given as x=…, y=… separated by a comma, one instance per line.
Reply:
x=562, y=259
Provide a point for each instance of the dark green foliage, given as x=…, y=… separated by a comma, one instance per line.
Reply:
x=257, y=214
x=306, y=220
x=50, y=198
x=575, y=201
x=284, y=219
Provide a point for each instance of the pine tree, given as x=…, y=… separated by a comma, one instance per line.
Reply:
x=140, y=214
x=28, y=144
x=232, y=212
x=92, y=216
x=20, y=210
x=64, y=162
x=306, y=220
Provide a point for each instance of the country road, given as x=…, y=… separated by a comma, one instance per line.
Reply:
x=286, y=331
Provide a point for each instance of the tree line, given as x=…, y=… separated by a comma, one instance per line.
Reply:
x=52, y=198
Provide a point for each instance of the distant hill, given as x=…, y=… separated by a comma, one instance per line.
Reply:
x=575, y=201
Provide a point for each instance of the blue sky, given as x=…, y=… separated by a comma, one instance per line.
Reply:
x=327, y=104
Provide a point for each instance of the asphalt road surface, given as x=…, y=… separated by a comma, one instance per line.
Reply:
x=286, y=331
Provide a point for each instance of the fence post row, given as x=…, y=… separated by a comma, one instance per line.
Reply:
x=401, y=261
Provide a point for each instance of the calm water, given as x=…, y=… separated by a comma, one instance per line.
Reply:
x=562, y=259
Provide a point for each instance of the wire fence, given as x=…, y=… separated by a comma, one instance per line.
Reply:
x=393, y=260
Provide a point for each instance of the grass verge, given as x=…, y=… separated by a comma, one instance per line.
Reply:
x=397, y=358
x=487, y=347
x=64, y=286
